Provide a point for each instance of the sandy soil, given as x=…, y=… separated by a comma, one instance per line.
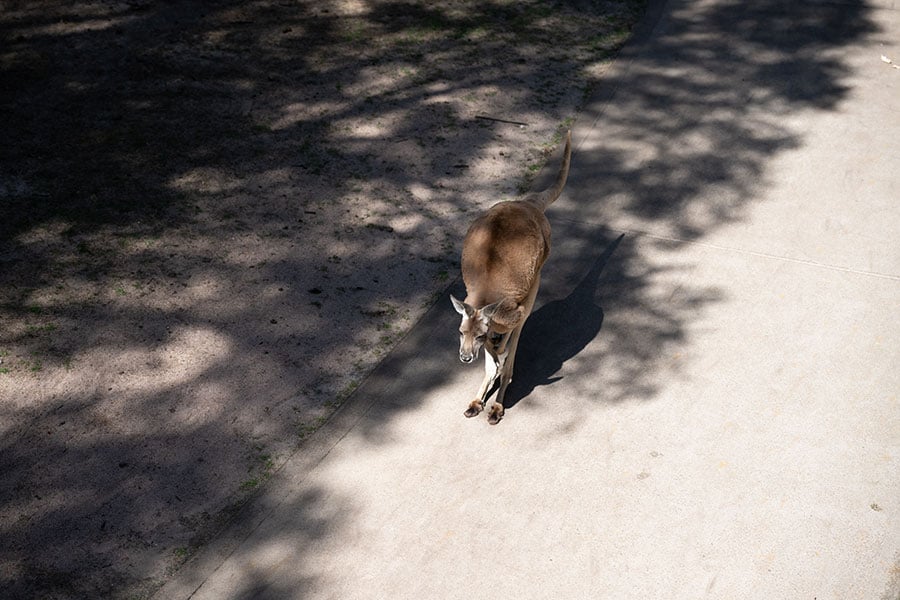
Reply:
x=215, y=221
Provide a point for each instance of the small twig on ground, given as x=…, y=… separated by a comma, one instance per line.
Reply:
x=486, y=118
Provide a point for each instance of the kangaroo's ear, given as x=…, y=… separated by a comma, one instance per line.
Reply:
x=461, y=307
x=505, y=313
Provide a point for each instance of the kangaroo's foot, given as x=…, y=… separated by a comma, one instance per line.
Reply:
x=496, y=413
x=475, y=407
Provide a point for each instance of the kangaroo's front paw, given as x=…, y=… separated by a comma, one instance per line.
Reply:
x=495, y=414
x=474, y=409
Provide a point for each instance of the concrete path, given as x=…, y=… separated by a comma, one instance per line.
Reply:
x=706, y=402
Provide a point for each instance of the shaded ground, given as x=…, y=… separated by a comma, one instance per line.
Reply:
x=705, y=419
x=215, y=221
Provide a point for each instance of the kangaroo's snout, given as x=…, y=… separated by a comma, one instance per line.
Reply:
x=467, y=357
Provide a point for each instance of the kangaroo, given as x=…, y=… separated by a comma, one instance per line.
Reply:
x=503, y=252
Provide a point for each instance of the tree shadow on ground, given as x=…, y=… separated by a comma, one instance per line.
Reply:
x=158, y=123
x=206, y=207
x=682, y=148
x=688, y=137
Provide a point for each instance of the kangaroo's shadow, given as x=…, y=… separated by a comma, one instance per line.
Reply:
x=556, y=332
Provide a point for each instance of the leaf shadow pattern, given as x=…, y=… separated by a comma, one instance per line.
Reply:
x=711, y=98
x=169, y=316
x=689, y=135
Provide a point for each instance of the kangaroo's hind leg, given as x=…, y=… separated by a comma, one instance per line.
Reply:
x=507, y=362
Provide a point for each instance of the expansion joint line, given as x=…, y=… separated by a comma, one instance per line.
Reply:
x=800, y=261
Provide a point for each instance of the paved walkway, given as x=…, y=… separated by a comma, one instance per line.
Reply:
x=706, y=396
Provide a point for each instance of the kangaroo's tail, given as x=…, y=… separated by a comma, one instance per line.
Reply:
x=544, y=199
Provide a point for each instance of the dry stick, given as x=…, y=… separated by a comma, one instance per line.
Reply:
x=486, y=118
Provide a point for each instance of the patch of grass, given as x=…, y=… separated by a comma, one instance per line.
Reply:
x=355, y=33
x=268, y=463
x=386, y=342
x=261, y=468
x=532, y=169
x=603, y=44
x=561, y=130
x=385, y=309
x=342, y=395
x=250, y=484
x=307, y=428
x=36, y=330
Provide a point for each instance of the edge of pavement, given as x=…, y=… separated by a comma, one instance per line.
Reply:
x=188, y=578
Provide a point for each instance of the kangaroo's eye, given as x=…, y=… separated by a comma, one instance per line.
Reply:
x=480, y=338
x=496, y=337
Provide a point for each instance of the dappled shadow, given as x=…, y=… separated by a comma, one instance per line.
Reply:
x=686, y=144
x=216, y=220
x=165, y=182
x=116, y=112
x=682, y=148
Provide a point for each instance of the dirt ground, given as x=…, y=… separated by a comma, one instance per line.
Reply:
x=215, y=219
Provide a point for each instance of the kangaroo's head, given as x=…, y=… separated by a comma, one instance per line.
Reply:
x=476, y=328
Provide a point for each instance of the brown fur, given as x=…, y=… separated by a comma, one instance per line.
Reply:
x=503, y=253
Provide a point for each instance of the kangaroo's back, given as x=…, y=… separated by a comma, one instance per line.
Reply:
x=505, y=248
x=503, y=252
